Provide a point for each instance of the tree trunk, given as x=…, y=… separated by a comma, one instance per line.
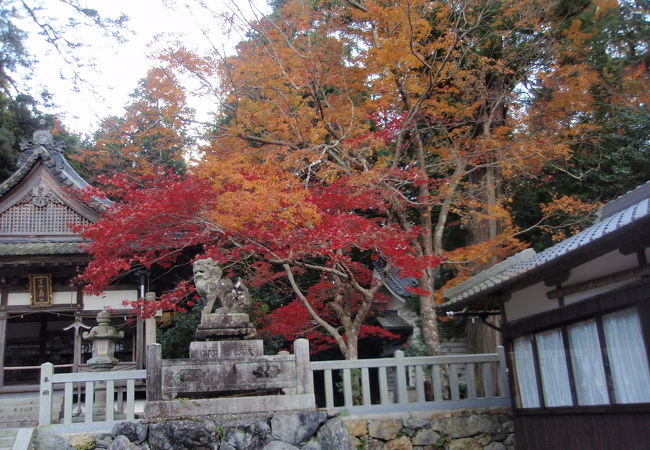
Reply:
x=428, y=314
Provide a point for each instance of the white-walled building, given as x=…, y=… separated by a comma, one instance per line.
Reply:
x=39, y=257
x=577, y=331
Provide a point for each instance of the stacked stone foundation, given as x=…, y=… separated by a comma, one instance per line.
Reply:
x=465, y=429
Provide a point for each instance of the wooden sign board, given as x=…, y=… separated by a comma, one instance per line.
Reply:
x=40, y=289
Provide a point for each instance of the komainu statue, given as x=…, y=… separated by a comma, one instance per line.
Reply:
x=215, y=290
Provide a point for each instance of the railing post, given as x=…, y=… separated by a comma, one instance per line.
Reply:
x=303, y=372
x=400, y=377
x=45, y=404
x=130, y=398
x=504, y=387
x=329, y=389
x=154, y=372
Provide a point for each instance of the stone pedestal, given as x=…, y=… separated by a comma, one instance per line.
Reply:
x=235, y=375
x=224, y=326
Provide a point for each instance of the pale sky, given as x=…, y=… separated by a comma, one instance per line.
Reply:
x=119, y=67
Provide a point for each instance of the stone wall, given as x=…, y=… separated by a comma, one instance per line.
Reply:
x=309, y=430
x=476, y=429
x=479, y=429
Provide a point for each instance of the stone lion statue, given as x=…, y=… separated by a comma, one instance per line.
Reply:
x=212, y=287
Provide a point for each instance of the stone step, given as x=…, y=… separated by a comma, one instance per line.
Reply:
x=20, y=411
x=8, y=432
x=29, y=410
x=7, y=441
x=8, y=409
x=19, y=401
x=19, y=424
x=26, y=401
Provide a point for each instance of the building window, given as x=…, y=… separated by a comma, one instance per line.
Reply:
x=571, y=366
x=627, y=357
x=525, y=369
x=587, y=363
x=553, y=368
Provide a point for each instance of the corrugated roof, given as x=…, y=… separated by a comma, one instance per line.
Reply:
x=524, y=263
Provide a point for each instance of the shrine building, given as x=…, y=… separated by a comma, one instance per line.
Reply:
x=42, y=313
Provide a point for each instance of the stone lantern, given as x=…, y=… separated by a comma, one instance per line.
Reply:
x=103, y=336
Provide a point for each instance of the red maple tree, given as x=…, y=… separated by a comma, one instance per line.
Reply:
x=324, y=248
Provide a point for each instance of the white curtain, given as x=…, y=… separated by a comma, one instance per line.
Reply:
x=525, y=367
x=552, y=361
x=587, y=362
x=627, y=357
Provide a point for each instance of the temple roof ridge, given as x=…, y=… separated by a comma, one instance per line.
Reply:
x=44, y=147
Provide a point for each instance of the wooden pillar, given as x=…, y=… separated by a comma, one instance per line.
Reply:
x=4, y=294
x=42, y=339
x=4, y=300
x=3, y=340
x=76, y=325
x=80, y=299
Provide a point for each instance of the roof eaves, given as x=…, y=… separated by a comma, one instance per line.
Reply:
x=40, y=248
x=485, y=278
x=581, y=242
x=62, y=171
x=23, y=170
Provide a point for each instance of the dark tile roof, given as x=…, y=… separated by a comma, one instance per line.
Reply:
x=391, y=321
x=526, y=262
x=399, y=284
x=39, y=248
x=44, y=147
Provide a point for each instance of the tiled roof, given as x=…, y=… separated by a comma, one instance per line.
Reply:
x=39, y=248
x=50, y=152
x=393, y=323
x=399, y=284
x=489, y=277
x=527, y=261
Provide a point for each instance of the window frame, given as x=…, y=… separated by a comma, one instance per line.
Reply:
x=636, y=295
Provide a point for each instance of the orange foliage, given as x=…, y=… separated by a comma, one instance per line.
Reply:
x=151, y=133
x=260, y=194
x=570, y=214
x=416, y=96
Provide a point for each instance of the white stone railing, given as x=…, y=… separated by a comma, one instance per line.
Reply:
x=412, y=383
x=111, y=382
x=363, y=386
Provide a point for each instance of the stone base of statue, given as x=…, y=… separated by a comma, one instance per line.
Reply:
x=222, y=378
x=224, y=326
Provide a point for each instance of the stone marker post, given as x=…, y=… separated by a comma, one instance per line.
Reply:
x=149, y=323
